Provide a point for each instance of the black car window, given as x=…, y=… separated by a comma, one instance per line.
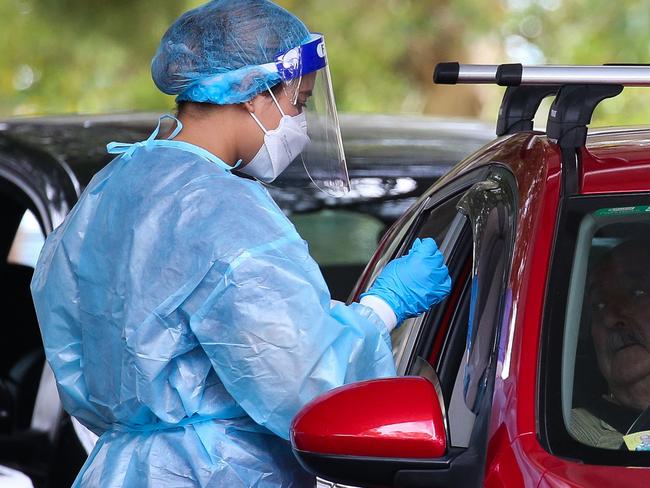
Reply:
x=596, y=400
x=31, y=417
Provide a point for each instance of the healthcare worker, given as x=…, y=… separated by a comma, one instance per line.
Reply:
x=181, y=313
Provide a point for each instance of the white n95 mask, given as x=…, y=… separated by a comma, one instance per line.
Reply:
x=281, y=146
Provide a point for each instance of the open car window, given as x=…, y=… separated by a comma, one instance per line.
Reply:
x=606, y=360
x=458, y=337
x=442, y=223
x=594, y=386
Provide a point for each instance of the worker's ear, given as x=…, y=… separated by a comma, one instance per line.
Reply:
x=250, y=105
x=257, y=102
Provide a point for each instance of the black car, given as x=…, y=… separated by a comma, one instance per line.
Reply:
x=45, y=163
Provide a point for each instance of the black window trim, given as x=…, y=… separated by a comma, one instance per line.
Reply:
x=552, y=433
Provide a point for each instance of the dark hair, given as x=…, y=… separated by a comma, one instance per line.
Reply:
x=197, y=109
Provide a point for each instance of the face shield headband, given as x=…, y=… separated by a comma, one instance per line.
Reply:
x=305, y=75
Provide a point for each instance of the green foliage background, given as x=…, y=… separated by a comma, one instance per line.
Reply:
x=92, y=56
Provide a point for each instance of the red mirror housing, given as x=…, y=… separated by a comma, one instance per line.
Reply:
x=384, y=418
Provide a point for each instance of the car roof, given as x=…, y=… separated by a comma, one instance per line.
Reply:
x=375, y=144
x=616, y=160
x=390, y=157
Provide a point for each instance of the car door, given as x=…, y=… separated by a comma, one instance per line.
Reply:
x=35, y=435
x=455, y=343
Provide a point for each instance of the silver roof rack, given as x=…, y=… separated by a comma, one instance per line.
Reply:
x=518, y=74
x=577, y=91
x=453, y=73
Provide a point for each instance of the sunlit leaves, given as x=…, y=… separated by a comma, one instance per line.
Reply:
x=94, y=56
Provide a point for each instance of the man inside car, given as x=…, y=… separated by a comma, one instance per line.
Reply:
x=617, y=306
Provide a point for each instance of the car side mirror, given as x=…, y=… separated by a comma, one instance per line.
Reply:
x=369, y=433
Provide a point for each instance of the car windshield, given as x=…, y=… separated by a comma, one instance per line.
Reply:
x=606, y=353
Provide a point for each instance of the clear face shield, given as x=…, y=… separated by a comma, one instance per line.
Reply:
x=307, y=84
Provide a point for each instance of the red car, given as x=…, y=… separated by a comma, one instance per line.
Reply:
x=536, y=369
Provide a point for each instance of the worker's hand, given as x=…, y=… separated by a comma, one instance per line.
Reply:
x=411, y=284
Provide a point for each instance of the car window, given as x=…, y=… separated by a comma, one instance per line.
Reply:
x=339, y=237
x=342, y=242
x=606, y=360
x=460, y=418
x=435, y=223
x=459, y=337
x=595, y=401
x=21, y=359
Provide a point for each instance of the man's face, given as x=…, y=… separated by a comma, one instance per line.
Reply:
x=620, y=326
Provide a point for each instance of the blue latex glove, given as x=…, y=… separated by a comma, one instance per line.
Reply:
x=411, y=284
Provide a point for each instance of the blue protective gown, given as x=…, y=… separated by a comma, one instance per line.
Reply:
x=186, y=324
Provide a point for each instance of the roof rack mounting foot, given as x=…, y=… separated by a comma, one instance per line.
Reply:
x=567, y=124
x=519, y=106
x=572, y=110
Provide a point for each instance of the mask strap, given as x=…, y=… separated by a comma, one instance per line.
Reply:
x=276, y=101
x=258, y=122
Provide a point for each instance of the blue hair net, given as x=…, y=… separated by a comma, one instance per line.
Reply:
x=215, y=52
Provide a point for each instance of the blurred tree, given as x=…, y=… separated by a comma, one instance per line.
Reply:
x=587, y=32
x=93, y=56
